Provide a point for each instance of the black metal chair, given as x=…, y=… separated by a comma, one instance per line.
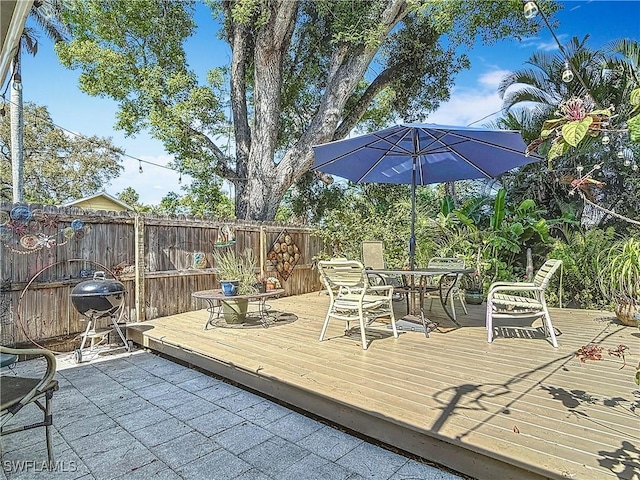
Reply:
x=17, y=392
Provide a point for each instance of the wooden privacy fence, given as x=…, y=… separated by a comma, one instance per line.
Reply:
x=45, y=251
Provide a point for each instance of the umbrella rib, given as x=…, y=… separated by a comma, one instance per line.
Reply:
x=370, y=146
x=385, y=154
x=463, y=139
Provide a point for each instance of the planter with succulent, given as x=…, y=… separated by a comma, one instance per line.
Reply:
x=237, y=276
x=273, y=283
x=260, y=284
x=619, y=277
x=472, y=286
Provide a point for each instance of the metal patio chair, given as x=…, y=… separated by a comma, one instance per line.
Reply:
x=455, y=293
x=352, y=298
x=373, y=258
x=522, y=300
x=16, y=392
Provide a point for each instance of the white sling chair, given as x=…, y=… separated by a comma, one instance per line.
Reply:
x=352, y=298
x=522, y=300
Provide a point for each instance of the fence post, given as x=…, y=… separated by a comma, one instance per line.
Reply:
x=263, y=251
x=139, y=274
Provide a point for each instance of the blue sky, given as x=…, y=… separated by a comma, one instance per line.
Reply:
x=474, y=96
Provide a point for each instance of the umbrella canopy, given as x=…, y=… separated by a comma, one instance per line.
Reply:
x=422, y=154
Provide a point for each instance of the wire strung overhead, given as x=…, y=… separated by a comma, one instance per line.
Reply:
x=79, y=135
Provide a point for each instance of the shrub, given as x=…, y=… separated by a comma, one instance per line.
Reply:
x=578, y=253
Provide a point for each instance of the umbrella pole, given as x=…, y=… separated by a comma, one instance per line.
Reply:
x=412, y=238
x=412, y=242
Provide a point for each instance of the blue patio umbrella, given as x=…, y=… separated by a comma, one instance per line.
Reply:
x=422, y=154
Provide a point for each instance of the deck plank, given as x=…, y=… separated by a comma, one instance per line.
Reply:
x=518, y=406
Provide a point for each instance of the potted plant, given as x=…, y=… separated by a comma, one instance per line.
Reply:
x=237, y=276
x=260, y=284
x=473, y=289
x=273, y=283
x=619, y=278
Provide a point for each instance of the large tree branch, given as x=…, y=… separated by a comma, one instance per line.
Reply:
x=355, y=114
x=272, y=42
x=221, y=168
x=239, y=36
x=346, y=70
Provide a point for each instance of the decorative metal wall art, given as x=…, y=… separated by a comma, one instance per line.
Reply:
x=24, y=231
x=284, y=254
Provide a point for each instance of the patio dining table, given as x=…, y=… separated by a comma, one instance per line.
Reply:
x=417, y=286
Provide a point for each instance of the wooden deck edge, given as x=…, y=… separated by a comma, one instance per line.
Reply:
x=371, y=424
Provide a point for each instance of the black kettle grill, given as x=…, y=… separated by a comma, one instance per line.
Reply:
x=97, y=298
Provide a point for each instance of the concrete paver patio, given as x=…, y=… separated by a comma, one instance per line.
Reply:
x=138, y=415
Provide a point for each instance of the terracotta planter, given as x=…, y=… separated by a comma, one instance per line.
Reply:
x=627, y=313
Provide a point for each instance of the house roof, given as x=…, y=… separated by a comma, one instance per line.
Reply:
x=98, y=195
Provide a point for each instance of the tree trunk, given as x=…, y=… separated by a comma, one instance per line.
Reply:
x=450, y=189
x=17, y=126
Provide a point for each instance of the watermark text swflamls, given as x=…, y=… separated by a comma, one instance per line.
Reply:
x=17, y=466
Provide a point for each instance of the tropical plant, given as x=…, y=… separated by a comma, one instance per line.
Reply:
x=634, y=120
x=579, y=251
x=496, y=241
x=578, y=118
x=573, y=137
x=619, y=277
x=532, y=95
x=472, y=283
x=625, y=62
x=231, y=266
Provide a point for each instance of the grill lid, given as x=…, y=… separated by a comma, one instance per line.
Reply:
x=98, y=297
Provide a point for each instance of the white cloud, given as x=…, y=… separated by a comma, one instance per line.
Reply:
x=492, y=79
x=537, y=43
x=475, y=106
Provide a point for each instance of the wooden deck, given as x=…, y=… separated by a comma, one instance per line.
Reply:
x=517, y=408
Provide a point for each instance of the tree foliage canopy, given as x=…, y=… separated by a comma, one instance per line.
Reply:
x=58, y=166
x=301, y=73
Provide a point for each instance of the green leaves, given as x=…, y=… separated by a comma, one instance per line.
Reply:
x=634, y=121
x=634, y=99
x=634, y=128
x=447, y=205
x=498, y=209
x=574, y=132
x=59, y=167
x=557, y=150
x=620, y=271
